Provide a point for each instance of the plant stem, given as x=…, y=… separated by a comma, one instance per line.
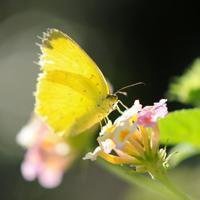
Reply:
x=134, y=178
x=162, y=177
x=160, y=185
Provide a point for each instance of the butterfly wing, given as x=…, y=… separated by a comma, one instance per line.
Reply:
x=71, y=87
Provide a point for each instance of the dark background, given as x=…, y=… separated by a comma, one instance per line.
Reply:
x=131, y=41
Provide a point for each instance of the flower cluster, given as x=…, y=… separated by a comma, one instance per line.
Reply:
x=47, y=157
x=133, y=138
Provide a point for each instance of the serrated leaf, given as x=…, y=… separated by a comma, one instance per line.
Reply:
x=181, y=127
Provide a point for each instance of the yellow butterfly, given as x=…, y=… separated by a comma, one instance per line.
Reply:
x=72, y=94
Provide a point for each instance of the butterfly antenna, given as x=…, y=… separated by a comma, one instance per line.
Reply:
x=120, y=91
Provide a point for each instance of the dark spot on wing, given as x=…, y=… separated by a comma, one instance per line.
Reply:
x=92, y=76
x=46, y=44
x=51, y=34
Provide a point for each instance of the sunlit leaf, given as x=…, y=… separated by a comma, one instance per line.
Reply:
x=181, y=127
x=182, y=152
x=186, y=88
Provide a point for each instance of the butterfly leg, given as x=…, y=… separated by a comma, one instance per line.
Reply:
x=118, y=108
x=101, y=125
x=120, y=102
x=106, y=120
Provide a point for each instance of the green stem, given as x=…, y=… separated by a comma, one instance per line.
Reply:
x=134, y=178
x=160, y=184
x=162, y=177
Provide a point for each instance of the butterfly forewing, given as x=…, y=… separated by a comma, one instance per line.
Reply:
x=71, y=88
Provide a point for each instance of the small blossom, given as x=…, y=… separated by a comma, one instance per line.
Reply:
x=28, y=134
x=130, y=113
x=47, y=156
x=92, y=155
x=133, y=138
x=149, y=115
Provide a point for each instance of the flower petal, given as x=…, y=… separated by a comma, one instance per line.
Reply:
x=115, y=159
x=149, y=115
x=128, y=114
x=107, y=146
x=50, y=178
x=92, y=155
x=29, y=171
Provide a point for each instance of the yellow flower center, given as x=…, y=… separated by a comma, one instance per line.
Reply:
x=123, y=135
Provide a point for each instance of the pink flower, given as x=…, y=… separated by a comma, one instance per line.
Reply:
x=134, y=140
x=149, y=115
x=47, y=156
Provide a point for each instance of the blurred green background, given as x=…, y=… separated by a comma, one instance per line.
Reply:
x=131, y=41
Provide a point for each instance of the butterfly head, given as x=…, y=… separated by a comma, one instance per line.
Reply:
x=112, y=100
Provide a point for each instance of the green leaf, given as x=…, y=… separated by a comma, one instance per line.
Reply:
x=181, y=152
x=186, y=88
x=181, y=127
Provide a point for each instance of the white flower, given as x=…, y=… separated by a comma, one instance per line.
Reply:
x=128, y=114
x=28, y=134
x=105, y=128
x=108, y=145
x=92, y=155
x=133, y=138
